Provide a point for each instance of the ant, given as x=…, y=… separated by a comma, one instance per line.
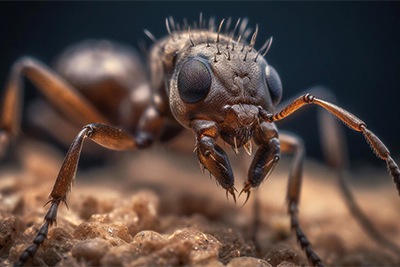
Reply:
x=213, y=83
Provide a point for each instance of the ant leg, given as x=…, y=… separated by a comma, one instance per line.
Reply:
x=290, y=143
x=347, y=118
x=335, y=151
x=336, y=154
x=263, y=163
x=266, y=157
x=376, y=144
x=212, y=156
x=331, y=133
x=104, y=135
x=60, y=93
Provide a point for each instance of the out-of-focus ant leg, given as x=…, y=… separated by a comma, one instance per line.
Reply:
x=335, y=151
x=58, y=91
x=294, y=145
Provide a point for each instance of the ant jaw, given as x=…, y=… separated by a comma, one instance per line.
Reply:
x=246, y=189
x=231, y=191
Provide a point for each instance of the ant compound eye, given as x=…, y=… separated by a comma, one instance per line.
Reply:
x=194, y=81
x=274, y=84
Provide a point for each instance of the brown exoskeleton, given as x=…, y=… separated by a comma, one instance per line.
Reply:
x=215, y=84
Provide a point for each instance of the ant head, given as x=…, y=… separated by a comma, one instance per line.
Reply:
x=208, y=77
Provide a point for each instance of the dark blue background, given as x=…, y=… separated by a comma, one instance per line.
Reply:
x=351, y=47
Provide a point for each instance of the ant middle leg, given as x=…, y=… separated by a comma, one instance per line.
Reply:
x=104, y=135
x=149, y=128
x=292, y=144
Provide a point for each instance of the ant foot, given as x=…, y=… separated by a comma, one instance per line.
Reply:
x=231, y=191
x=246, y=189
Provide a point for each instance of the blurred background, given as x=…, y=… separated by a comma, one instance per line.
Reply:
x=353, y=48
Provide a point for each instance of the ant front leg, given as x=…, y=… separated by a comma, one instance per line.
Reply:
x=59, y=92
x=266, y=157
x=104, y=135
x=212, y=156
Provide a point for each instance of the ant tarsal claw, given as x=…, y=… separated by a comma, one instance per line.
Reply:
x=246, y=189
x=231, y=191
x=247, y=197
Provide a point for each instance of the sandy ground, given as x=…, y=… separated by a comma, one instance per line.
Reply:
x=157, y=208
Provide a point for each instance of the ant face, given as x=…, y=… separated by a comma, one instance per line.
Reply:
x=211, y=81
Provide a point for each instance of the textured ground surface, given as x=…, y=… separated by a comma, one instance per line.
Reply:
x=157, y=208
